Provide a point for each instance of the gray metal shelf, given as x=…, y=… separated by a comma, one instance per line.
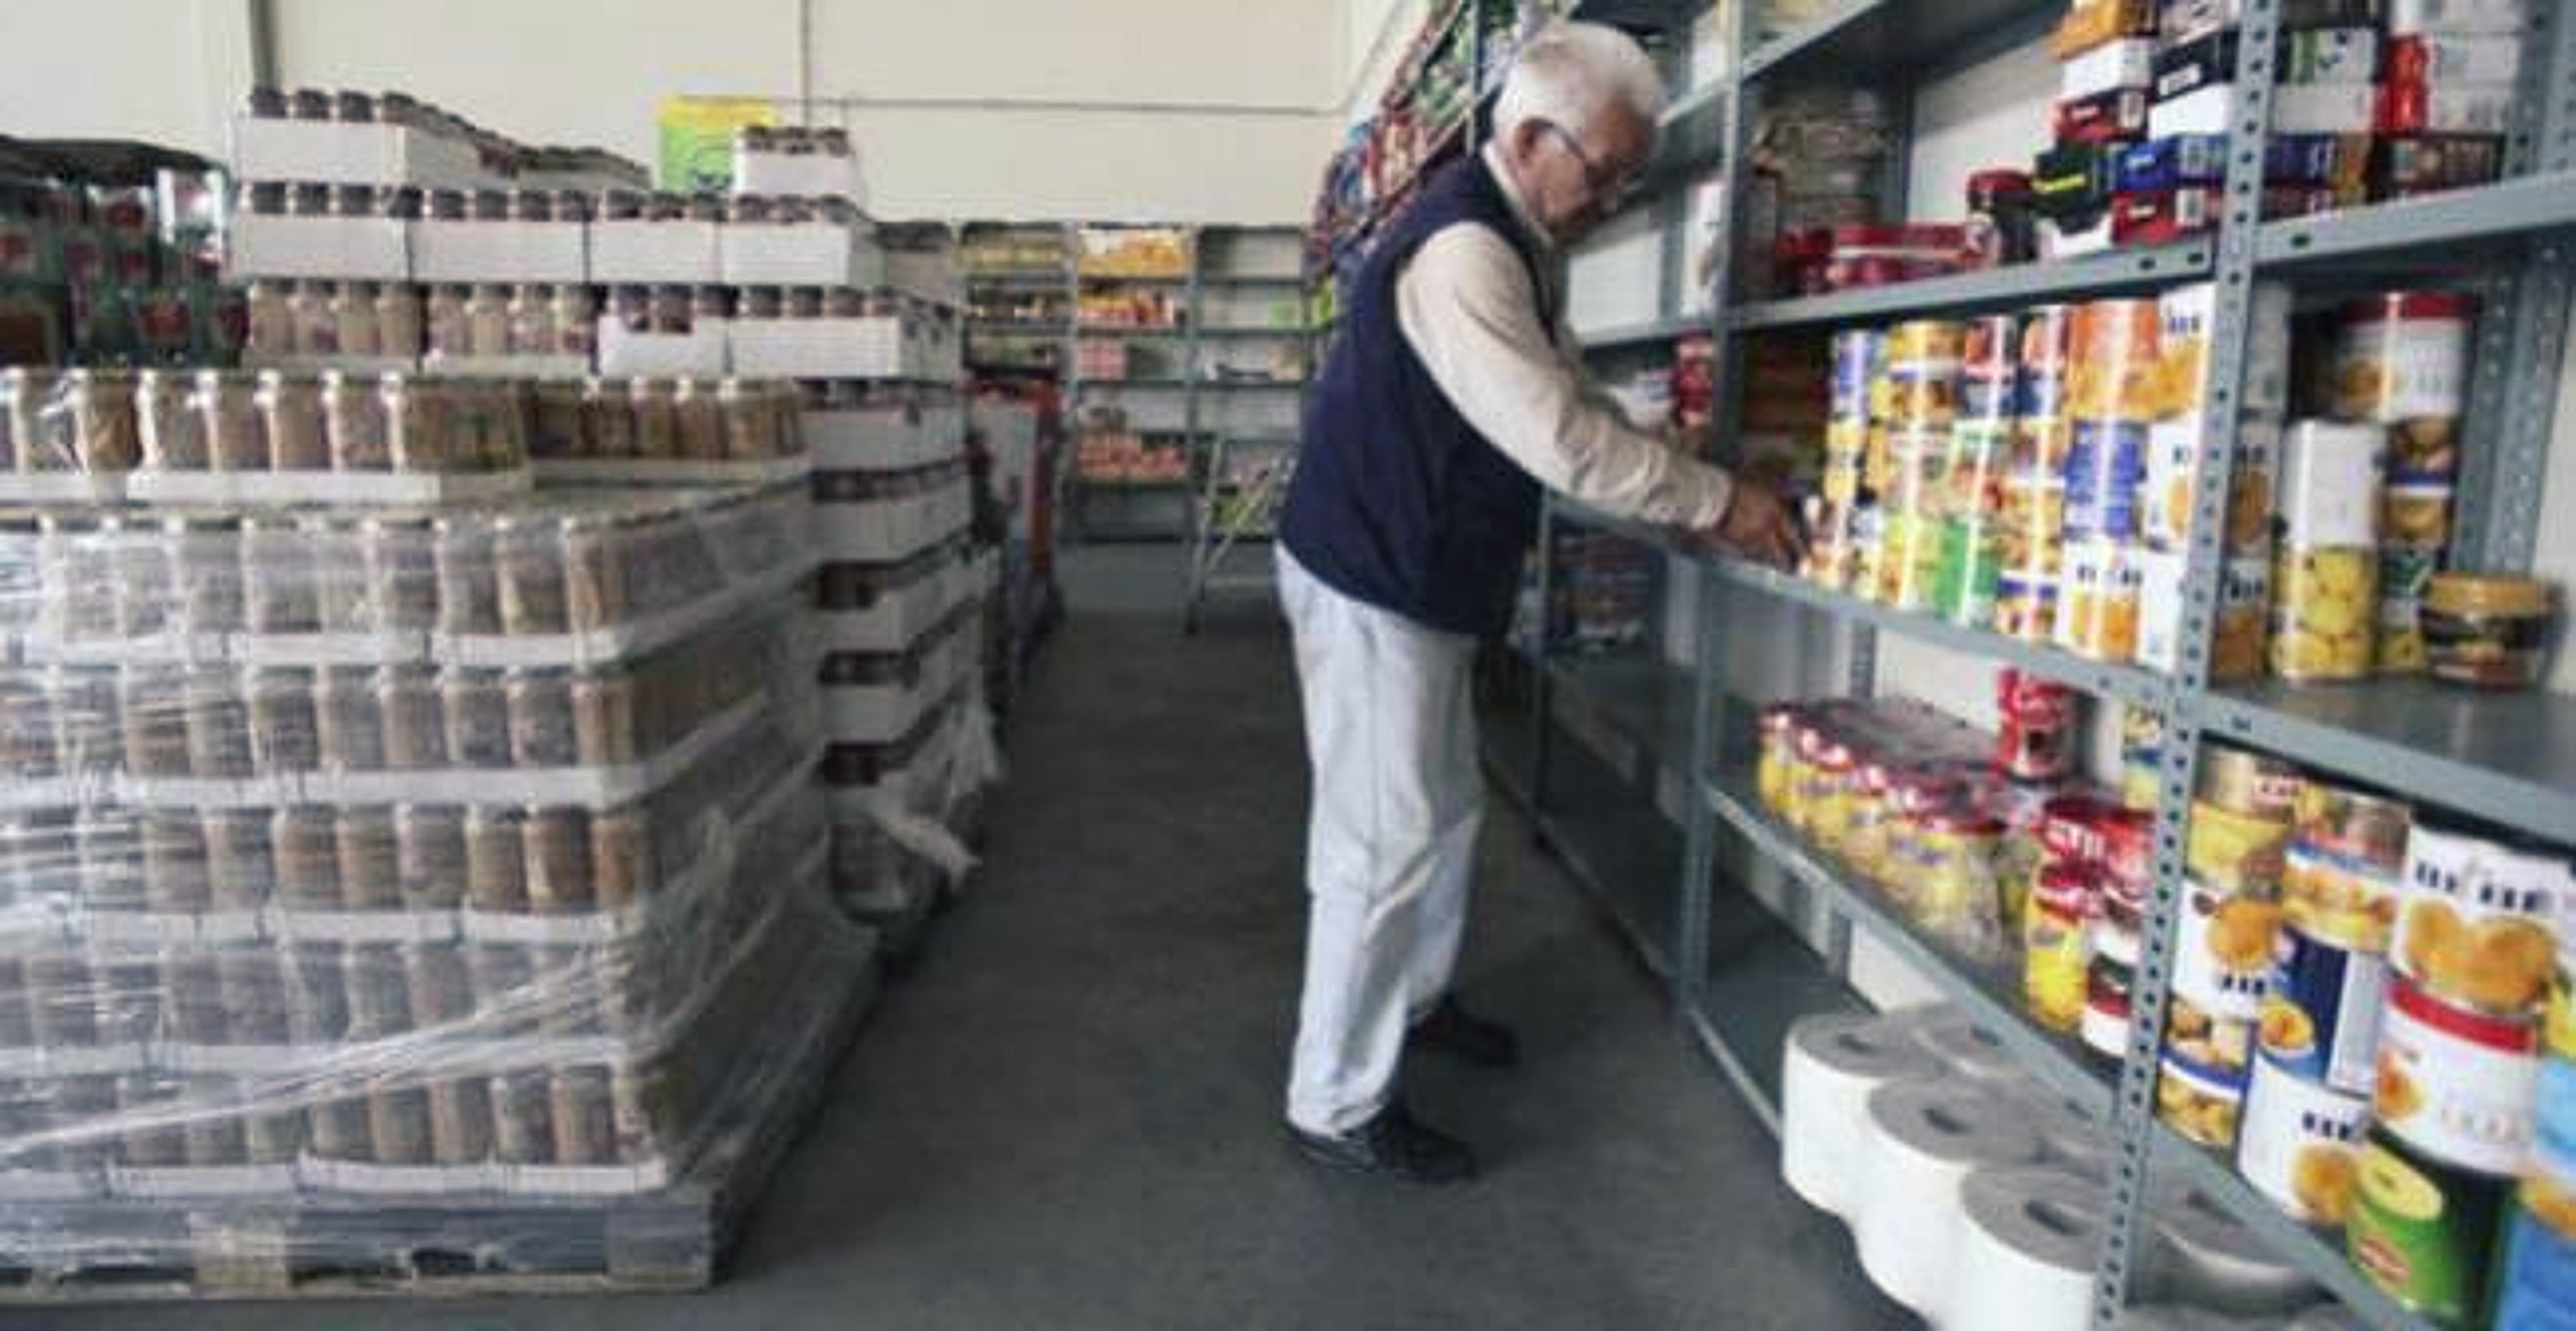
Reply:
x=1993, y=289
x=1627, y=856
x=2317, y=1252
x=2510, y=757
x=1990, y=991
x=2439, y=225
x=2128, y=684
x=1645, y=700
x=1891, y=42
x=1624, y=336
x=1760, y=979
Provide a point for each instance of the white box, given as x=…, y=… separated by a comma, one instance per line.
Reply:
x=810, y=254
x=2470, y=59
x=700, y=352
x=2209, y=110
x=455, y=251
x=2409, y=18
x=921, y=262
x=331, y=152
x=894, y=436
x=2330, y=55
x=2062, y=244
x=2468, y=108
x=2112, y=65
x=652, y=253
x=804, y=175
x=2324, y=108
x=366, y=249
x=860, y=348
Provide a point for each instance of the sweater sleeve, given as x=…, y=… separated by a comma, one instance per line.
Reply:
x=1465, y=306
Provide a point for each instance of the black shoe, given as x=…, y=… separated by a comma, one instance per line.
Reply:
x=1450, y=1030
x=1393, y=1145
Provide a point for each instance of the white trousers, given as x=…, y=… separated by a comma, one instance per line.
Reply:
x=1398, y=801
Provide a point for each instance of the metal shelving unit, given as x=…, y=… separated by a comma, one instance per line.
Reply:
x=1740, y=972
x=1242, y=471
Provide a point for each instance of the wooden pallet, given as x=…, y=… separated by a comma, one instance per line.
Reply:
x=334, y=1247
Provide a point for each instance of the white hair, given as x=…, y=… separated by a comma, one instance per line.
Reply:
x=1569, y=73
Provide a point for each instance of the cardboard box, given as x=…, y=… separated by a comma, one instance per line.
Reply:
x=699, y=353
x=331, y=152
x=654, y=253
x=367, y=249
x=449, y=251
x=921, y=262
x=860, y=348
x=811, y=254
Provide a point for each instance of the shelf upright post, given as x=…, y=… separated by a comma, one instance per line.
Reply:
x=2133, y=1109
x=2522, y=330
x=1708, y=666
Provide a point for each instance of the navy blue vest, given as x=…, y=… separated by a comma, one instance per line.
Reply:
x=1398, y=502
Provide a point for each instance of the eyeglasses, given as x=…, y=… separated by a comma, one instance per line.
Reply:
x=1610, y=187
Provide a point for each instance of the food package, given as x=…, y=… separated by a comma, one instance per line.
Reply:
x=2116, y=373
x=2324, y=613
x=2329, y=490
x=2401, y=360
x=2099, y=606
x=2092, y=23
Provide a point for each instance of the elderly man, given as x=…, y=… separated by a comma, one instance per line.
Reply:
x=1454, y=396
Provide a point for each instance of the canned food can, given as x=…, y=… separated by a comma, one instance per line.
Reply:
x=2300, y=1144
x=238, y=865
x=541, y=718
x=2113, y=360
x=2338, y=899
x=2233, y=853
x=2099, y=608
x=175, y=870
x=2459, y=1086
x=2255, y=785
x=2423, y=1230
x=430, y=856
x=2107, y=464
x=2026, y=608
x=347, y=720
x=468, y=592
x=2477, y=921
x=415, y=731
x=496, y=874
x=2358, y=825
x=369, y=858
x=2223, y=952
x=605, y=707
x=2055, y=959
x=475, y=708
x=2108, y=987
x=304, y=840
x=460, y=1121
x=2198, y=1101
x=558, y=851
x=2324, y=614
x=620, y=858
x=584, y=1124
x=231, y=425
x=258, y=1004
x=523, y=1131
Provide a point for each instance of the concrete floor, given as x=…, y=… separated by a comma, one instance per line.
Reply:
x=1068, y=1116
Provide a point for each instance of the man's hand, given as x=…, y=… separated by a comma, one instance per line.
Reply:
x=1760, y=523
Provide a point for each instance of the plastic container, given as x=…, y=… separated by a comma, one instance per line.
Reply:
x=2486, y=631
x=2324, y=609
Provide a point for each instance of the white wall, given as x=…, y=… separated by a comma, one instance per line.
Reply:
x=1185, y=110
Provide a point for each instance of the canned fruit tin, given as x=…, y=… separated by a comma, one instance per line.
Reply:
x=2026, y=607
x=2460, y=1086
x=2477, y=921
x=2403, y=356
x=2053, y=965
x=2416, y=515
x=2233, y=852
x=2217, y=1047
x=2422, y=1230
x=2358, y=825
x=2324, y=610
x=1927, y=340
x=2114, y=365
x=2099, y=608
x=2104, y=470
x=2328, y=492
x=2338, y=899
x=2254, y=785
x=2105, y=1025
x=2223, y=955
x=2300, y=1143
x=2321, y=1011
x=2194, y=1101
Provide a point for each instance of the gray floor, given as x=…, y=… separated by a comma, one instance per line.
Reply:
x=1067, y=1117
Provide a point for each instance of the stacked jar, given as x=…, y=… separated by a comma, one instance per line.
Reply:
x=2326, y=579
x=2458, y=1091
x=1970, y=561
x=2224, y=932
x=2401, y=364
x=1917, y=401
x=2179, y=452
x=1844, y=507
x=2032, y=496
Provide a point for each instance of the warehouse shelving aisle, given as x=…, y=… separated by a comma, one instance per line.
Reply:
x=1073, y=1121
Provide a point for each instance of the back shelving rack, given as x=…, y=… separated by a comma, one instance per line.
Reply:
x=1250, y=356
x=1147, y=396
x=1742, y=971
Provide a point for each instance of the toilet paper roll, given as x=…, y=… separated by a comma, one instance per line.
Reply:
x=2067, y=1138
x=2327, y=1317
x=1964, y=1049
x=1832, y=1065
x=2201, y=1256
x=2026, y=1253
x=1922, y=1141
x=2174, y=1317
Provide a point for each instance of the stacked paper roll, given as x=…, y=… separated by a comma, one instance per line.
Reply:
x=2203, y=1257
x=1964, y=1049
x=1832, y=1065
x=1923, y=1140
x=2327, y=1317
x=2067, y=1139
x=2176, y=1317
x=2026, y=1253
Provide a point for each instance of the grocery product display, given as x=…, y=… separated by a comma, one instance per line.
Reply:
x=111, y=258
